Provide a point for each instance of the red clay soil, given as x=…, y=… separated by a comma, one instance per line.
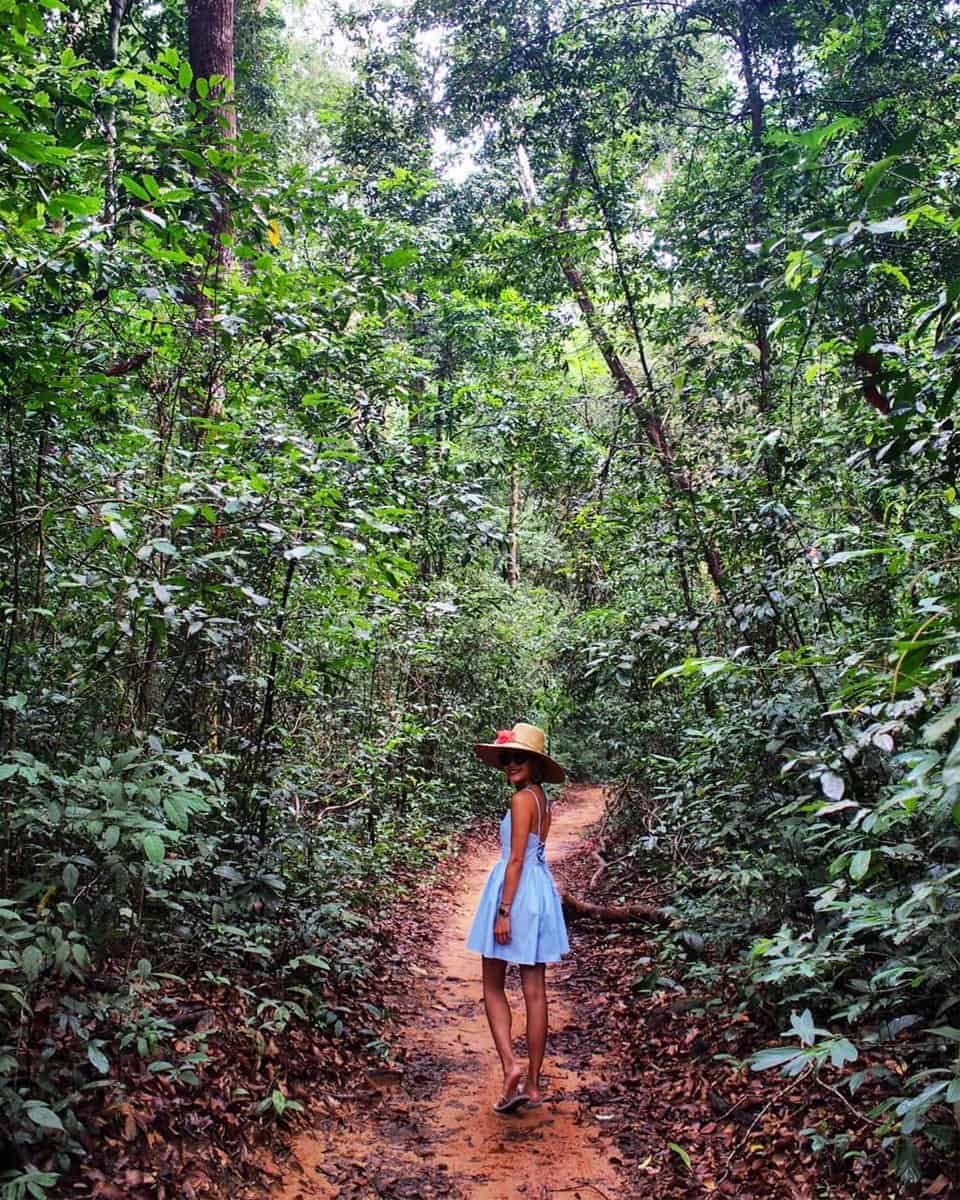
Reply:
x=428, y=1129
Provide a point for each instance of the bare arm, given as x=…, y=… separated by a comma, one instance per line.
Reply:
x=521, y=825
x=522, y=808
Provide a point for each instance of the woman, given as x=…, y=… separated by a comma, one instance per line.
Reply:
x=519, y=918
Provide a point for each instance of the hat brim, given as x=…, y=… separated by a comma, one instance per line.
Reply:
x=489, y=753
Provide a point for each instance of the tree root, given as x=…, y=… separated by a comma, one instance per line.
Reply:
x=619, y=913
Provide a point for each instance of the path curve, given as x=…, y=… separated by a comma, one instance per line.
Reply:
x=435, y=1134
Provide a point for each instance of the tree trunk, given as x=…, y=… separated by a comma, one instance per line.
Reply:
x=648, y=418
x=211, y=41
x=757, y=201
x=210, y=33
x=513, y=537
x=118, y=10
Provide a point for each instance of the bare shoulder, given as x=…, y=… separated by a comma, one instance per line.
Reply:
x=523, y=812
x=524, y=800
x=526, y=803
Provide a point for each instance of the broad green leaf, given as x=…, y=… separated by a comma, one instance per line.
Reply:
x=153, y=847
x=942, y=723
x=31, y=960
x=176, y=812
x=134, y=188
x=763, y=1060
x=843, y=1051
x=98, y=1059
x=44, y=1116
x=859, y=865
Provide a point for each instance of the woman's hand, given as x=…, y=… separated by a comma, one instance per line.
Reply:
x=501, y=931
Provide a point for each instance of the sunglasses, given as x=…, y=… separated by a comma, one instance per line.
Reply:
x=512, y=756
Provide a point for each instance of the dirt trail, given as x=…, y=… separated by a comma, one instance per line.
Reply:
x=433, y=1132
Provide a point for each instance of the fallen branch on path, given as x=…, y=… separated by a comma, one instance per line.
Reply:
x=619, y=913
x=604, y=864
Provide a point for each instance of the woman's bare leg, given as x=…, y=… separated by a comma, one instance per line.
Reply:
x=534, y=982
x=499, y=1019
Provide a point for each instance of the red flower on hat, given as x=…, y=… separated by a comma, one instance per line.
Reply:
x=503, y=735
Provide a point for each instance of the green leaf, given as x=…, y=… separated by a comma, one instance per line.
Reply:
x=8, y=770
x=43, y=1116
x=77, y=206
x=874, y=174
x=803, y=1027
x=843, y=1051
x=860, y=865
x=950, y=1032
x=71, y=877
x=763, y=1060
x=911, y=1111
x=31, y=960
x=680, y=1153
x=184, y=75
x=906, y=1161
x=396, y=260
x=153, y=847
x=98, y=1059
x=134, y=188
x=176, y=812
x=895, y=272
x=942, y=723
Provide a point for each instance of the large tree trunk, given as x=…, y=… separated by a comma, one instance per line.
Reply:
x=210, y=33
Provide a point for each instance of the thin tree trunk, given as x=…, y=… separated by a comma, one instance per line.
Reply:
x=513, y=536
x=651, y=425
x=211, y=42
x=118, y=10
x=757, y=201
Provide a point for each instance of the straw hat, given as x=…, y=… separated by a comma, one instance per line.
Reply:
x=521, y=737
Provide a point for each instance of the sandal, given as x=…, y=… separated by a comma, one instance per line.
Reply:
x=510, y=1101
x=510, y=1104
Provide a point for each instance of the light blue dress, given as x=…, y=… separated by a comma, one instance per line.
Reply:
x=538, y=933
